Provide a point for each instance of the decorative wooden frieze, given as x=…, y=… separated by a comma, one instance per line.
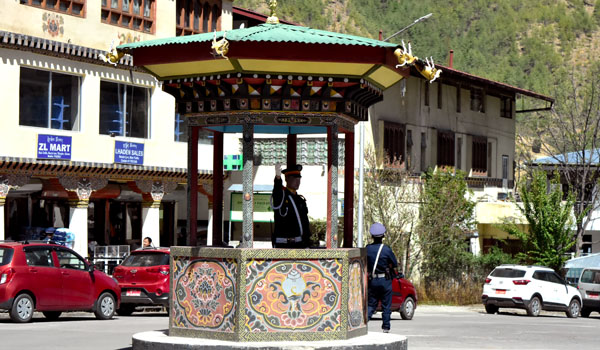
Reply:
x=82, y=186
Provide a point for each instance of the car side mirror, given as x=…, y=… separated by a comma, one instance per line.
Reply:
x=91, y=268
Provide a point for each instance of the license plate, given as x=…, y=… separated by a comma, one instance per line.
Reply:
x=500, y=291
x=133, y=293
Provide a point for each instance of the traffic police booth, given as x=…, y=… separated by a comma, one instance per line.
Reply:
x=280, y=79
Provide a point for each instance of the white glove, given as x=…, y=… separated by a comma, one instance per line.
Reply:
x=278, y=169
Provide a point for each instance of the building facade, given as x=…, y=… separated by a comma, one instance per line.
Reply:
x=98, y=147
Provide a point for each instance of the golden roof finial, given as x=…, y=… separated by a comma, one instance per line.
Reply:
x=273, y=17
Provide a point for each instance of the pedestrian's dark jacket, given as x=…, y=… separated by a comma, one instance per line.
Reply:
x=291, y=218
x=387, y=259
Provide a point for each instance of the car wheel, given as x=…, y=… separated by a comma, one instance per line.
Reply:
x=22, y=309
x=534, y=307
x=126, y=310
x=491, y=309
x=105, y=306
x=407, y=310
x=573, y=309
x=52, y=315
x=585, y=312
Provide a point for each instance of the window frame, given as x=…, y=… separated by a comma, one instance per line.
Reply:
x=506, y=107
x=394, y=143
x=57, y=8
x=107, y=13
x=479, y=154
x=446, y=148
x=77, y=120
x=477, y=100
x=125, y=120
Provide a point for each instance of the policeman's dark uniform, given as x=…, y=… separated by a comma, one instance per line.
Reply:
x=292, y=229
x=380, y=281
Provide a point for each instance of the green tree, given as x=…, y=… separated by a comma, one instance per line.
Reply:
x=390, y=197
x=446, y=218
x=549, y=237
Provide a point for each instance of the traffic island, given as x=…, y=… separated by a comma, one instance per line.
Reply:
x=157, y=340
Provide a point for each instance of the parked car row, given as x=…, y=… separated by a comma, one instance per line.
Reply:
x=537, y=288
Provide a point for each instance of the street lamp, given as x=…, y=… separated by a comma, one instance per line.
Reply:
x=408, y=26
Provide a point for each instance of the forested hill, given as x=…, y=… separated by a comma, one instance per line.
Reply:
x=526, y=43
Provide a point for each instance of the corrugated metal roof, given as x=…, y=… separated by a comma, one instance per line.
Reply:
x=267, y=32
x=588, y=156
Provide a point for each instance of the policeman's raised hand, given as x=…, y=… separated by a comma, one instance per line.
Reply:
x=278, y=170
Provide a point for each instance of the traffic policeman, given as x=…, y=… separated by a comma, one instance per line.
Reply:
x=292, y=229
x=382, y=267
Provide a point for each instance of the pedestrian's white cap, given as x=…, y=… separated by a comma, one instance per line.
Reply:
x=377, y=230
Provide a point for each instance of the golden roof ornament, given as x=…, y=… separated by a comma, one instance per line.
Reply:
x=272, y=19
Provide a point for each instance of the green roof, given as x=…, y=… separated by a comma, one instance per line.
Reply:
x=267, y=32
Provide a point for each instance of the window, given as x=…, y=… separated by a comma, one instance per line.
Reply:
x=507, y=273
x=439, y=95
x=133, y=14
x=459, y=152
x=214, y=19
x=124, y=110
x=423, y=159
x=182, y=132
x=68, y=260
x=426, y=91
x=445, y=148
x=70, y=7
x=479, y=156
x=39, y=257
x=504, y=166
x=49, y=100
x=189, y=16
x=477, y=104
x=393, y=142
x=506, y=107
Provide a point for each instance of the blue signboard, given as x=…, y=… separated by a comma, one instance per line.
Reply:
x=129, y=152
x=54, y=147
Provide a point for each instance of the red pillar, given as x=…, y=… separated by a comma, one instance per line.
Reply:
x=218, y=189
x=192, y=223
x=349, y=190
x=292, y=149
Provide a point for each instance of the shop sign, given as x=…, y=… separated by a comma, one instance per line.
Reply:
x=54, y=147
x=262, y=207
x=129, y=153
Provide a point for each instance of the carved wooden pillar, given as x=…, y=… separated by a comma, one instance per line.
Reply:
x=152, y=194
x=80, y=189
x=332, y=186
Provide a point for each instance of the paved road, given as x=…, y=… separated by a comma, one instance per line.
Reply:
x=439, y=327
x=433, y=327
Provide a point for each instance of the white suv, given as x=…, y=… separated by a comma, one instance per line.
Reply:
x=532, y=288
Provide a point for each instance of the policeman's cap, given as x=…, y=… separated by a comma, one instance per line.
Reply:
x=377, y=230
x=293, y=170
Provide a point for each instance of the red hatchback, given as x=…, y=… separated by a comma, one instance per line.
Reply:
x=144, y=279
x=52, y=279
x=404, y=298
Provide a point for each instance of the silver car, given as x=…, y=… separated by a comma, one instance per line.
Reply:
x=589, y=287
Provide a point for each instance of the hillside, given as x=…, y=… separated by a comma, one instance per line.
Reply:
x=524, y=43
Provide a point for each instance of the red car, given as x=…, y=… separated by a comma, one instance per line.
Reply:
x=37, y=276
x=144, y=279
x=404, y=298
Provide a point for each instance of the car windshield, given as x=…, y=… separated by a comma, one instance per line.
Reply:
x=590, y=276
x=508, y=273
x=146, y=259
x=5, y=255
